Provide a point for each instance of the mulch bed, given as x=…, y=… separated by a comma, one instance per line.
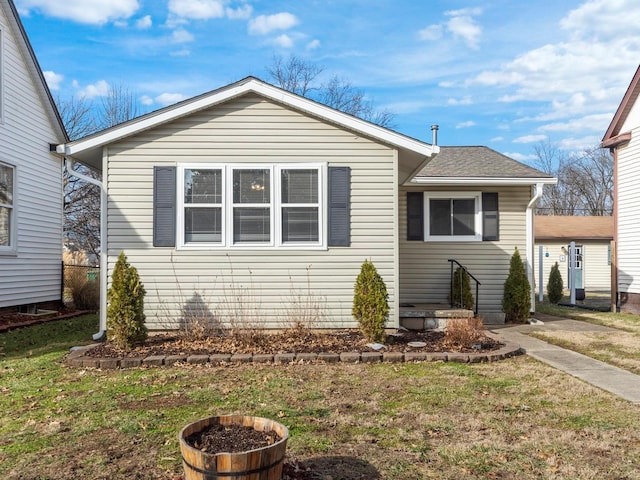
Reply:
x=289, y=341
x=11, y=321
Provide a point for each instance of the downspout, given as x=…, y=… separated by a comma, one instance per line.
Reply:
x=530, y=242
x=68, y=165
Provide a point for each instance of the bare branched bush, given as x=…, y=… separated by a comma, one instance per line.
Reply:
x=464, y=332
x=81, y=282
x=241, y=308
x=303, y=309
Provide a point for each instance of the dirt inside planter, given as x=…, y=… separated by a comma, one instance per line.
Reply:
x=231, y=439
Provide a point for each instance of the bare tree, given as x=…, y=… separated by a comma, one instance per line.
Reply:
x=585, y=182
x=83, y=117
x=300, y=76
x=294, y=75
x=118, y=106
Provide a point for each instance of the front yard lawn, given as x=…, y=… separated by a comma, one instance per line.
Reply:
x=512, y=419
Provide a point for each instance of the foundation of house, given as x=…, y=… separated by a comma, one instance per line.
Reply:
x=425, y=316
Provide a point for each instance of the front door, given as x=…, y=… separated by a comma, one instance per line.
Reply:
x=579, y=281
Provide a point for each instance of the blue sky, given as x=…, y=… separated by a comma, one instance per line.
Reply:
x=501, y=73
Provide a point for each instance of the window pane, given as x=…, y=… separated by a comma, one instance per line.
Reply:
x=464, y=216
x=300, y=224
x=6, y=185
x=440, y=217
x=299, y=186
x=251, y=225
x=203, y=186
x=251, y=186
x=203, y=224
x=5, y=227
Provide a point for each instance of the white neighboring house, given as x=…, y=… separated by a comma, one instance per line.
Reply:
x=623, y=140
x=592, y=236
x=30, y=174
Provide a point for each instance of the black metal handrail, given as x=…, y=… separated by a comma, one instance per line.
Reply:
x=463, y=268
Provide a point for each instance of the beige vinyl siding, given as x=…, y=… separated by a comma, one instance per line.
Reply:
x=628, y=203
x=32, y=273
x=252, y=130
x=596, y=270
x=425, y=271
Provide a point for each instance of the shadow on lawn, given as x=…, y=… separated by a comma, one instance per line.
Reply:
x=343, y=467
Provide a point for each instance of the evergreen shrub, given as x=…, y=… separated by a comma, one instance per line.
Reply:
x=370, y=303
x=125, y=313
x=516, y=299
x=555, y=285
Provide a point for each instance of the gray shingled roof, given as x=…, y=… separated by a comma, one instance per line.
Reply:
x=465, y=162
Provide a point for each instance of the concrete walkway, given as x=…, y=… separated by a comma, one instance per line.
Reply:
x=615, y=380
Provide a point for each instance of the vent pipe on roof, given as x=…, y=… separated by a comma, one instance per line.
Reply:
x=434, y=133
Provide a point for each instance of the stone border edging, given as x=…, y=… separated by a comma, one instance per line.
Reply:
x=77, y=358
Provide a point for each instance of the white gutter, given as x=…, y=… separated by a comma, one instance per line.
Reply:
x=530, y=242
x=68, y=165
x=481, y=181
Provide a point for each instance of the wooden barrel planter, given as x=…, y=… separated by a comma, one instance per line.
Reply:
x=260, y=464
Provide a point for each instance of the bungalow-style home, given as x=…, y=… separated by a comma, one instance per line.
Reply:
x=243, y=199
x=30, y=175
x=622, y=138
x=592, y=236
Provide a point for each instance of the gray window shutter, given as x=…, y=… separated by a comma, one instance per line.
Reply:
x=415, y=216
x=490, y=217
x=164, y=206
x=339, y=206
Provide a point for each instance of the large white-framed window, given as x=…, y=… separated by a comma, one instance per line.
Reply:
x=453, y=217
x=251, y=205
x=7, y=207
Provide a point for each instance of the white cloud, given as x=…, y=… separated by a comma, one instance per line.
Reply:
x=98, y=89
x=579, y=144
x=467, y=124
x=185, y=52
x=466, y=100
x=520, y=157
x=53, y=79
x=497, y=139
x=430, y=33
x=181, y=36
x=313, y=44
x=146, y=100
x=197, y=9
x=163, y=99
x=586, y=123
x=96, y=12
x=283, y=41
x=603, y=19
x=463, y=26
x=144, y=22
x=241, y=13
x=169, y=98
x=464, y=12
x=264, y=24
x=530, y=139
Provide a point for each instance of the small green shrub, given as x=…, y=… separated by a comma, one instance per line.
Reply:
x=516, y=300
x=370, y=303
x=555, y=286
x=125, y=313
x=467, y=297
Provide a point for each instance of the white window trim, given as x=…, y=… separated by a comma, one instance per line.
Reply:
x=476, y=196
x=11, y=249
x=275, y=205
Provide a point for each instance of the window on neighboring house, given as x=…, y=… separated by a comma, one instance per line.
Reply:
x=249, y=205
x=453, y=217
x=7, y=196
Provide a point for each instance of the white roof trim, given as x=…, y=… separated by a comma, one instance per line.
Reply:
x=240, y=88
x=480, y=181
